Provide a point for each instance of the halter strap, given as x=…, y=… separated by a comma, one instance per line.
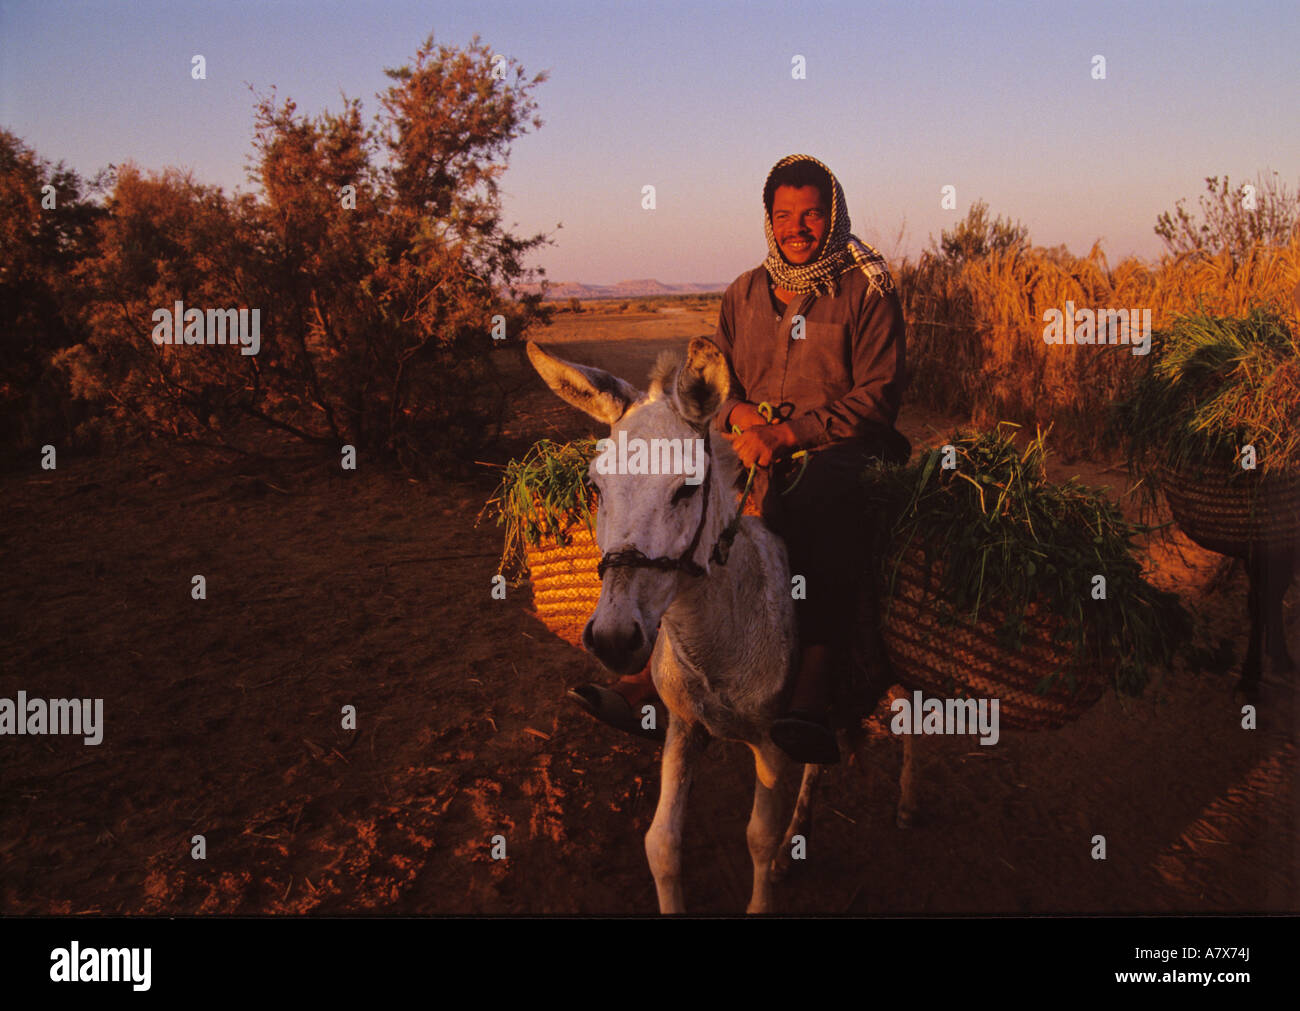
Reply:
x=633, y=558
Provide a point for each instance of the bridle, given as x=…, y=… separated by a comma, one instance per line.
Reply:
x=632, y=558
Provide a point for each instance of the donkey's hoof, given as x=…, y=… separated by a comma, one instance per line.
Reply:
x=905, y=819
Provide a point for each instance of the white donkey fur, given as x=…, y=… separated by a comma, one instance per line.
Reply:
x=722, y=646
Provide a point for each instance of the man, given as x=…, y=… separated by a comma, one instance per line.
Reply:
x=817, y=332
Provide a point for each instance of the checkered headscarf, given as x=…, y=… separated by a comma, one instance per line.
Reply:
x=841, y=252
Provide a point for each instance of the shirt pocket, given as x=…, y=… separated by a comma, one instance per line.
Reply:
x=823, y=358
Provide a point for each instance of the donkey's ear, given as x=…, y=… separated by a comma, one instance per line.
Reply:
x=703, y=382
x=603, y=396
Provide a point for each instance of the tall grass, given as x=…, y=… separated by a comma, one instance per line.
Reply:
x=975, y=337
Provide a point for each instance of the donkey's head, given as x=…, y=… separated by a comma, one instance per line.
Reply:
x=664, y=487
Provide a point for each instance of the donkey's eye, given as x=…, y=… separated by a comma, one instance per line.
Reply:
x=684, y=492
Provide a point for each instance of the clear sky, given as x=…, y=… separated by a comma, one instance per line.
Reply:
x=697, y=99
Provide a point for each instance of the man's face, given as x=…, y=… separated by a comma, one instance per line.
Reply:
x=800, y=222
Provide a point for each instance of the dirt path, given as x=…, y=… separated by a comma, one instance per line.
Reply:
x=223, y=718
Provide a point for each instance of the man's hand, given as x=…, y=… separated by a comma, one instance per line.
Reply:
x=762, y=443
x=746, y=416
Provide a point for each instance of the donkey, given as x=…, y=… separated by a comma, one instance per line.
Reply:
x=701, y=593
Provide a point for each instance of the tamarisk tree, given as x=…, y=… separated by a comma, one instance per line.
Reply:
x=376, y=253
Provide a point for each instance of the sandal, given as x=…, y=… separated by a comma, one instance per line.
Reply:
x=610, y=707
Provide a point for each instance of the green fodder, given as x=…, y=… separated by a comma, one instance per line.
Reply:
x=1007, y=540
x=541, y=496
x=1212, y=385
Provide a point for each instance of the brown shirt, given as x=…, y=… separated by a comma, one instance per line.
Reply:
x=844, y=378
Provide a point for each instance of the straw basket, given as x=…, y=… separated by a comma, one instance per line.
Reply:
x=965, y=660
x=565, y=583
x=1231, y=516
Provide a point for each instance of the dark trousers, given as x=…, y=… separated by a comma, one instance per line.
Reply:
x=835, y=542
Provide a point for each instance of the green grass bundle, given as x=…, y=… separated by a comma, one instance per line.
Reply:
x=541, y=497
x=1211, y=385
x=1006, y=540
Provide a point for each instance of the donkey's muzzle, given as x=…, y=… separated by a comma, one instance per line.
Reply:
x=622, y=648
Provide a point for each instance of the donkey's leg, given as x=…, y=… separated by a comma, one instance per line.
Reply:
x=856, y=744
x=800, y=822
x=1256, y=569
x=766, y=821
x=663, y=842
x=1279, y=569
x=907, y=802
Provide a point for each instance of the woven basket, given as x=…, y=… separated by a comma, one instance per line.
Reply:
x=966, y=660
x=1232, y=516
x=565, y=583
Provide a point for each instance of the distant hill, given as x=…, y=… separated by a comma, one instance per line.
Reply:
x=622, y=289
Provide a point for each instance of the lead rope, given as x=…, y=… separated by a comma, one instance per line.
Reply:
x=723, y=547
x=766, y=410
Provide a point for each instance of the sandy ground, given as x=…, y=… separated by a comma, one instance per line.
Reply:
x=223, y=719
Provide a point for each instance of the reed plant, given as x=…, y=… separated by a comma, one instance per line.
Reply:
x=975, y=328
